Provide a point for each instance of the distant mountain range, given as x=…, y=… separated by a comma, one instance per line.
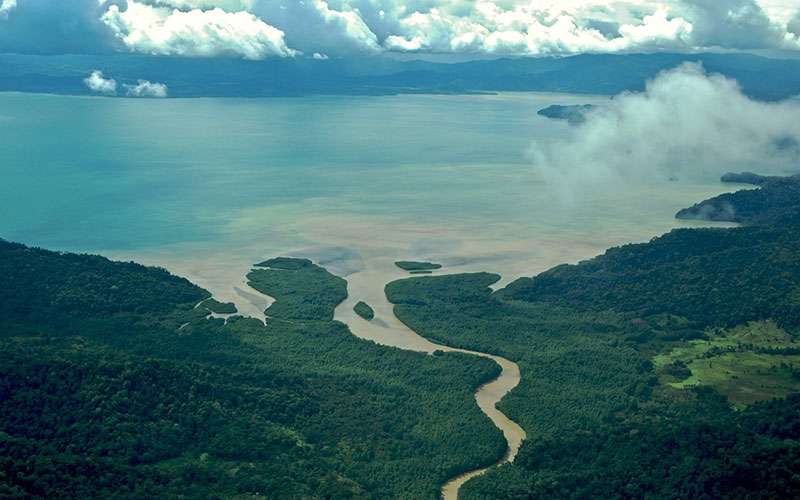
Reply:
x=760, y=77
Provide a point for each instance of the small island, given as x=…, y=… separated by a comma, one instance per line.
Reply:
x=364, y=310
x=285, y=263
x=416, y=267
x=575, y=114
x=214, y=306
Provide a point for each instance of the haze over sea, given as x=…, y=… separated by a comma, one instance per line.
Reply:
x=206, y=187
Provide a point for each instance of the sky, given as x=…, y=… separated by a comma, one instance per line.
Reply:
x=259, y=29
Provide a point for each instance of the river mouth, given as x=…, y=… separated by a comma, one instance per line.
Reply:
x=362, y=249
x=386, y=329
x=366, y=279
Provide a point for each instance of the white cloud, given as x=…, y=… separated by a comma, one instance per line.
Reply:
x=687, y=124
x=320, y=26
x=144, y=88
x=185, y=5
x=255, y=29
x=349, y=22
x=733, y=24
x=100, y=84
x=779, y=11
x=161, y=31
x=526, y=27
x=530, y=29
x=6, y=6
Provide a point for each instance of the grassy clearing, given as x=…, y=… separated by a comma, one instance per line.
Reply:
x=747, y=364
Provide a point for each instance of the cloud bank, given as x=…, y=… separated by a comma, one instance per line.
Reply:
x=256, y=29
x=528, y=29
x=98, y=83
x=686, y=124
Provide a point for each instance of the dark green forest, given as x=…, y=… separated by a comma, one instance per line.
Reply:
x=364, y=310
x=113, y=382
x=774, y=202
x=603, y=419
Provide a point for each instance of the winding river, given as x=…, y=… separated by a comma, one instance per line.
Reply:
x=387, y=329
x=367, y=283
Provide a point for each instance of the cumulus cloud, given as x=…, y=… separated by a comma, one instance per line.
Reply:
x=529, y=29
x=160, y=31
x=686, y=124
x=145, y=88
x=99, y=84
x=794, y=25
x=317, y=26
x=732, y=24
x=255, y=29
x=6, y=6
x=574, y=26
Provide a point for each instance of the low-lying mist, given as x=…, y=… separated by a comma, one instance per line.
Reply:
x=686, y=125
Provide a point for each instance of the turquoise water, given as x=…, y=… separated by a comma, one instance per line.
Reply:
x=206, y=186
x=92, y=173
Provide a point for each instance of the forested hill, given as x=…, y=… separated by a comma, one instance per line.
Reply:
x=113, y=384
x=775, y=202
x=668, y=369
x=711, y=276
x=605, y=74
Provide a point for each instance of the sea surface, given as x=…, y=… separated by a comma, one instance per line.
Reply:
x=206, y=187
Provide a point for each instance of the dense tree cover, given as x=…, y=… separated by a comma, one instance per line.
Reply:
x=215, y=306
x=573, y=368
x=699, y=449
x=710, y=276
x=50, y=288
x=113, y=383
x=775, y=201
x=747, y=178
x=302, y=290
x=599, y=420
x=599, y=423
